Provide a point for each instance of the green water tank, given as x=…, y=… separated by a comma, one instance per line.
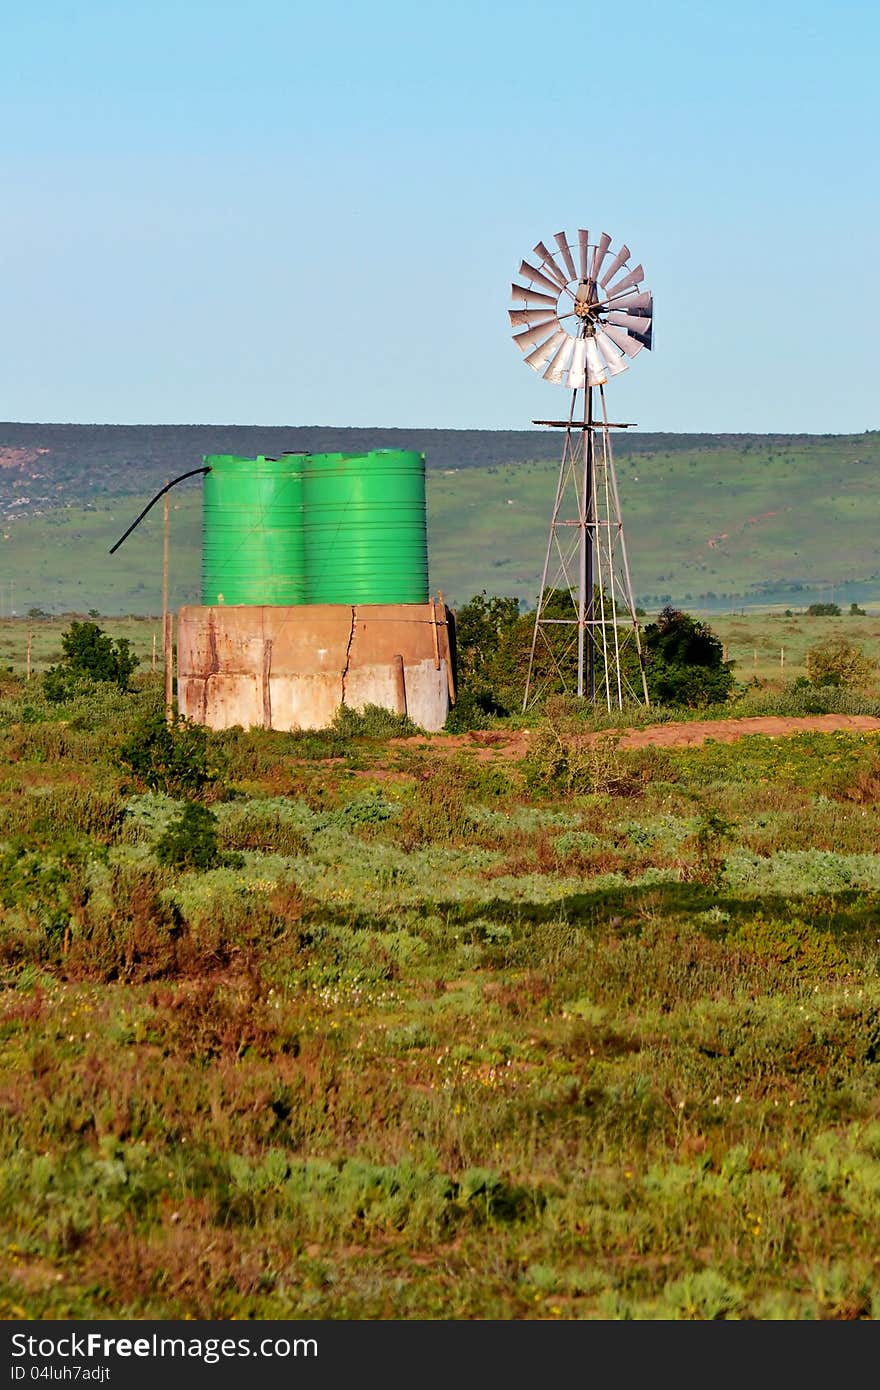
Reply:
x=252, y=532
x=365, y=527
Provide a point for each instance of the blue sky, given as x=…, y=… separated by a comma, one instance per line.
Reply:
x=280, y=213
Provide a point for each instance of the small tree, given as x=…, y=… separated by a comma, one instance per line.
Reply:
x=91, y=652
x=89, y=655
x=485, y=659
x=837, y=661
x=823, y=610
x=480, y=627
x=685, y=661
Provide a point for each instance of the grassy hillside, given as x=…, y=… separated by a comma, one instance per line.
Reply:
x=711, y=523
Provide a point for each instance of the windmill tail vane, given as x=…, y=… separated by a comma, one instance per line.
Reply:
x=580, y=318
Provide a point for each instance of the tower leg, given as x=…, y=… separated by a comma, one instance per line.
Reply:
x=591, y=565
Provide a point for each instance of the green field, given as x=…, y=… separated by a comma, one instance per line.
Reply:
x=769, y=648
x=580, y=1033
x=789, y=522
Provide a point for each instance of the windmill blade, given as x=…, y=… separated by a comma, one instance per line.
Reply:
x=599, y=255
x=583, y=247
x=525, y=296
x=542, y=354
x=646, y=339
x=549, y=266
x=629, y=345
x=530, y=272
x=532, y=336
x=595, y=366
x=559, y=365
x=622, y=256
x=615, y=363
x=518, y=316
x=634, y=322
x=626, y=283
x=565, y=253
x=576, y=372
x=644, y=300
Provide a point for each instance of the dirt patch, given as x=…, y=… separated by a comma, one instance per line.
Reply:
x=494, y=743
x=19, y=458
x=728, y=730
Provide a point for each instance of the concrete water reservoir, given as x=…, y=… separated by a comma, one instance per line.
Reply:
x=280, y=667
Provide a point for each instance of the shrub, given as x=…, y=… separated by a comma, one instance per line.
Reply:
x=373, y=721
x=481, y=625
x=685, y=661
x=89, y=655
x=559, y=763
x=837, y=661
x=48, y=885
x=495, y=645
x=824, y=610
x=190, y=840
x=791, y=944
x=169, y=758
x=473, y=711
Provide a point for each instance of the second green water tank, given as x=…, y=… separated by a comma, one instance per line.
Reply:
x=365, y=528
x=252, y=532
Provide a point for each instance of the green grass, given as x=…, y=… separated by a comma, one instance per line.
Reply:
x=445, y=1038
x=767, y=647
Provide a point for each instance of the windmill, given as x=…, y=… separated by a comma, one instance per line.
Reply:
x=579, y=324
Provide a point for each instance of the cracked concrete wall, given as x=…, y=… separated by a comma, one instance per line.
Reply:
x=292, y=667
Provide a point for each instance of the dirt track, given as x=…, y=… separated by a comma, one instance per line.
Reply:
x=495, y=743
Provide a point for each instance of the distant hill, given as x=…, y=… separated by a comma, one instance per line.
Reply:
x=712, y=521
x=57, y=464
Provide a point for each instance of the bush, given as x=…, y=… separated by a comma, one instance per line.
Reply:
x=495, y=642
x=373, y=721
x=481, y=625
x=89, y=655
x=169, y=758
x=824, y=610
x=837, y=661
x=473, y=711
x=685, y=662
x=190, y=840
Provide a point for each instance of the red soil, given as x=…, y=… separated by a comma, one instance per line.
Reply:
x=496, y=743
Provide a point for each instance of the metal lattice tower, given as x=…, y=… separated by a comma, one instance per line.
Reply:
x=586, y=588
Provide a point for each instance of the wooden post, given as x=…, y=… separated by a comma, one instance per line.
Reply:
x=165, y=547
x=153, y=665
x=168, y=654
x=450, y=678
x=29, y=641
x=782, y=657
x=265, y=684
x=399, y=684
x=434, y=634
